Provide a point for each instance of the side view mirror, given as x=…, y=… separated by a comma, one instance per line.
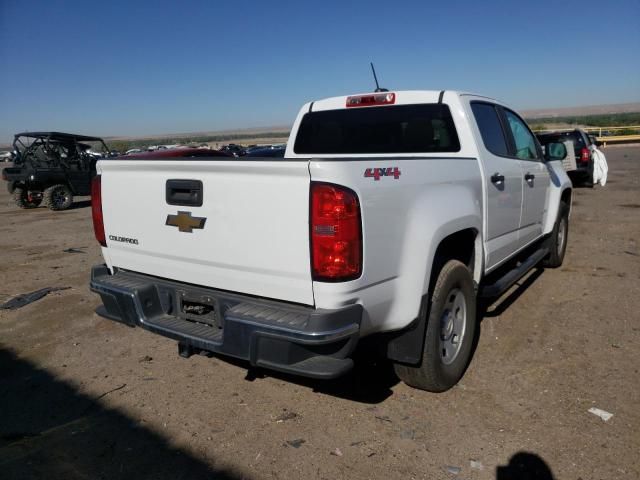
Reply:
x=555, y=151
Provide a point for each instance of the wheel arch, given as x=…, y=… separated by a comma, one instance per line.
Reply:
x=464, y=245
x=462, y=242
x=561, y=189
x=567, y=197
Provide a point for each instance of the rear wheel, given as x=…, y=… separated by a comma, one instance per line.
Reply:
x=558, y=240
x=24, y=199
x=58, y=197
x=451, y=325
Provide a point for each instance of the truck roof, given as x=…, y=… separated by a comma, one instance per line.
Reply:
x=402, y=97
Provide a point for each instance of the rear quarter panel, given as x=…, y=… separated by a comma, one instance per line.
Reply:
x=403, y=222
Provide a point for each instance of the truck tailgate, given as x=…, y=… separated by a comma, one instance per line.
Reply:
x=254, y=239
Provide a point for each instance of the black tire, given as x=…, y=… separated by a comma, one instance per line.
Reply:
x=557, y=241
x=21, y=197
x=58, y=197
x=439, y=371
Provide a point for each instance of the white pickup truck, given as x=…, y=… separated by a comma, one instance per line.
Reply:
x=390, y=215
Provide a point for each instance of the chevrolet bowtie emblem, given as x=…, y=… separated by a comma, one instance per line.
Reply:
x=185, y=222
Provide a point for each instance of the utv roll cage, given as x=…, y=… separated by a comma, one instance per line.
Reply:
x=56, y=149
x=52, y=167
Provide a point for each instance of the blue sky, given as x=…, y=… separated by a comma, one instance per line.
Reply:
x=134, y=67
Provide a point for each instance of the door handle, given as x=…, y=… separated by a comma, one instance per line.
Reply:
x=497, y=178
x=529, y=177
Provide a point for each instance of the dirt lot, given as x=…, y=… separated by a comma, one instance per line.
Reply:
x=82, y=397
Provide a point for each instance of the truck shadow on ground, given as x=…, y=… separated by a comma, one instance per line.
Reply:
x=497, y=306
x=50, y=430
x=373, y=377
x=524, y=466
x=369, y=382
x=494, y=307
x=80, y=204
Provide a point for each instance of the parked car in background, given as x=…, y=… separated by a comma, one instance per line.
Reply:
x=267, y=151
x=578, y=143
x=233, y=149
x=177, y=153
x=97, y=154
x=6, y=156
x=251, y=148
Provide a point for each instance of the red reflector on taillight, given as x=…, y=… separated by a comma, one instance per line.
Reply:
x=371, y=100
x=585, y=155
x=336, y=233
x=96, y=210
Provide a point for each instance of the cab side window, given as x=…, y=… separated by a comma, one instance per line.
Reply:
x=490, y=128
x=524, y=140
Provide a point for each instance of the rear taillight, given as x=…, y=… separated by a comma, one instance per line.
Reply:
x=336, y=233
x=4, y=176
x=96, y=210
x=585, y=156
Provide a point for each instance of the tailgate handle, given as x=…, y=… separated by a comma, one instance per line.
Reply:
x=186, y=193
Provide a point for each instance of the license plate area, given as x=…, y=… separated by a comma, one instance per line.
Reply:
x=199, y=308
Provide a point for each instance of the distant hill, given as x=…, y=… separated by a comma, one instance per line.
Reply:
x=582, y=111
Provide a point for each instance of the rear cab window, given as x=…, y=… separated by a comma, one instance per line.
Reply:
x=419, y=128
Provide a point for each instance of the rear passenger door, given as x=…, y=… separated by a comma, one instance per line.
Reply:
x=535, y=177
x=503, y=176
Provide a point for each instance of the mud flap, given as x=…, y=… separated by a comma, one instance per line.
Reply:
x=407, y=345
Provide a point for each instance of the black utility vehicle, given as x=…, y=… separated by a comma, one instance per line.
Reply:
x=52, y=167
x=582, y=142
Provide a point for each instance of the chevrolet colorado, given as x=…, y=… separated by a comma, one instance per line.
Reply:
x=389, y=216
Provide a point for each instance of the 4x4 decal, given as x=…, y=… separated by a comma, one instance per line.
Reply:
x=376, y=173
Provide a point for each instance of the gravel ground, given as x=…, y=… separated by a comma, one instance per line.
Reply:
x=82, y=397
